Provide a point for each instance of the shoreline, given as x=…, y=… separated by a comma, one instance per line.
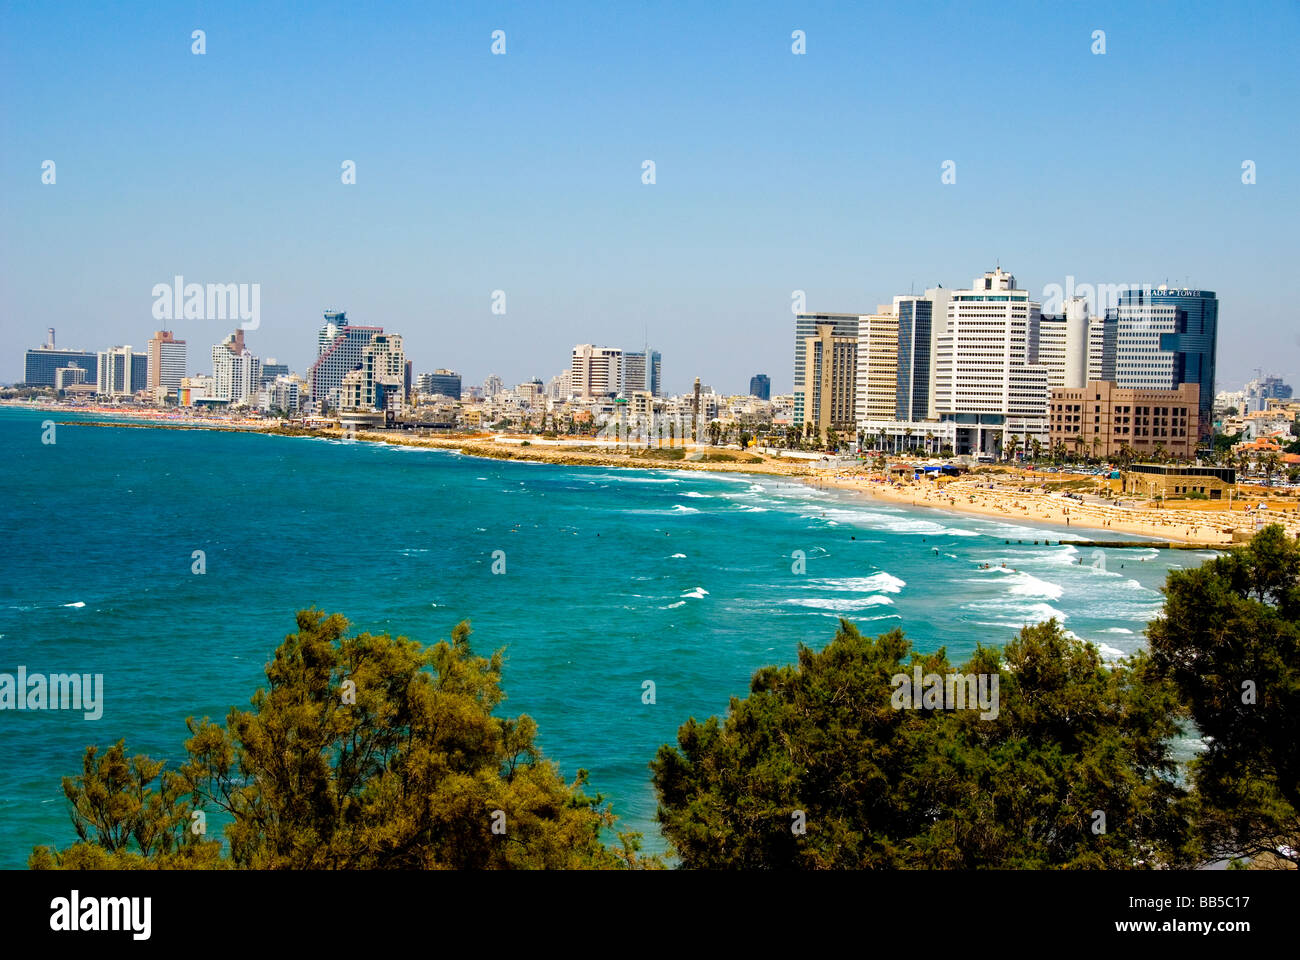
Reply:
x=969, y=497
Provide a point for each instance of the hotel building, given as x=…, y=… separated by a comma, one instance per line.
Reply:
x=985, y=383
x=826, y=361
x=339, y=349
x=166, y=365
x=1101, y=418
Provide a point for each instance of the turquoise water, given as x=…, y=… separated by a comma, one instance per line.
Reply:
x=612, y=577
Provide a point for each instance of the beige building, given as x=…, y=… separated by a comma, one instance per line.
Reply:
x=830, y=375
x=877, y=375
x=1101, y=418
x=1165, y=480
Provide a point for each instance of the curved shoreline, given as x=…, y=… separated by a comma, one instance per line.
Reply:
x=961, y=497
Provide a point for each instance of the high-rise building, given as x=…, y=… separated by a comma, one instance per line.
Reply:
x=843, y=326
x=441, y=382
x=1166, y=337
x=492, y=386
x=984, y=382
x=1259, y=392
x=877, y=379
x=760, y=385
x=121, y=372
x=66, y=377
x=40, y=364
x=920, y=321
x=166, y=361
x=826, y=373
x=339, y=347
x=1061, y=344
x=383, y=365
x=596, y=371
x=654, y=374
x=1101, y=348
x=235, y=371
x=633, y=373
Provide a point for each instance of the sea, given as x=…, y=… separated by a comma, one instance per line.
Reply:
x=605, y=578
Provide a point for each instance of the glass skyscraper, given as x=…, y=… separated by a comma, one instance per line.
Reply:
x=1167, y=337
x=915, y=325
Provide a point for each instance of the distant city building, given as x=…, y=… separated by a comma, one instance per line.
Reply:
x=66, y=377
x=383, y=365
x=1102, y=418
x=1166, y=337
x=121, y=372
x=984, y=382
x=760, y=385
x=826, y=362
x=492, y=386
x=807, y=397
x=339, y=347
x=1102, y=333
x=441, y=382
x=234, y=371
x=1259, y=392
x=166, y=362
x=40, y=364
x=654, y=374
x=596, y=371
x=633, y=373
x=271, y=370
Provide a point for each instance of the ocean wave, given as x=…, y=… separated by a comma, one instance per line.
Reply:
x=678, y=556
x=697, y=495
x=839, y=603
x=881, y=582
x=1027, y=585
x=699, y=593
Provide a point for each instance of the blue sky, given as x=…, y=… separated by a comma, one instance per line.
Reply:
x=522, y=172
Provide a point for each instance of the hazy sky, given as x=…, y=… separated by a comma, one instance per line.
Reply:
x=774, y=172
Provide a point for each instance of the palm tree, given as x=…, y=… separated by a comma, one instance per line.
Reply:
x=1037, y=448
x=1009, y=451
x=1270, y=464
x=1096, y=442
x=1159, y=452
x=672, y=433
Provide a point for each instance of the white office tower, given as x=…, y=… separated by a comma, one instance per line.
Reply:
x=877, y=375
x=234, y=370
x=596, y=371
x=984, y=382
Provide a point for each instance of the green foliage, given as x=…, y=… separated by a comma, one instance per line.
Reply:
x=363, y=752
x=1229, y=640
x=903, y=788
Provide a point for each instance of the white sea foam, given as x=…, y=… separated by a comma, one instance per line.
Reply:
x=881, y=582
x=673, y=606
x=678, y=556
x=697, y=495
x=699, y=593
x=840, y=603
x=1118, y=630
x=1027, y=585
x=77, y=604
x=682, y=508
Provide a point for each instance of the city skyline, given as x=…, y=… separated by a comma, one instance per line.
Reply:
x=707, y=257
